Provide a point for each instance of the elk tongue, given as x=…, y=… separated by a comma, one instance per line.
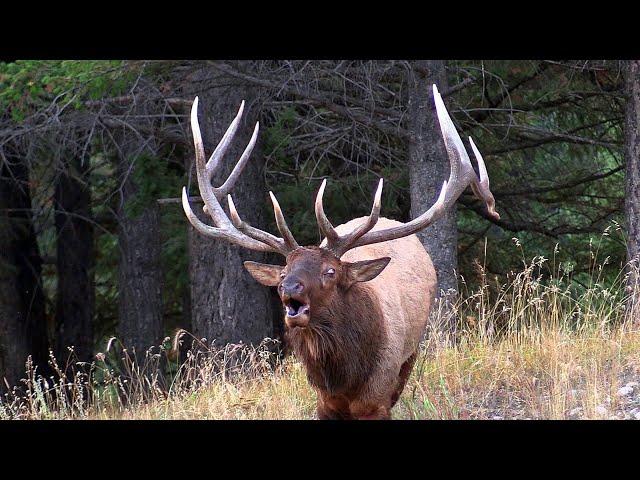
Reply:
x=295, y=308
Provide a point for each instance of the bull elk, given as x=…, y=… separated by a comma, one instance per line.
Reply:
x=356, y=306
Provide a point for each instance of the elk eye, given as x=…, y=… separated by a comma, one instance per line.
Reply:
x=330, y=271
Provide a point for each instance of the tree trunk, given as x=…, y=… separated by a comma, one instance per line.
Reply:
x=140, y=269
x=227, y=305
x=429, y=168
x=23, y=329
x=632, y=194
x=75, y=261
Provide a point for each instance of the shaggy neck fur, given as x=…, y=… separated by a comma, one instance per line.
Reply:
x=343, y=341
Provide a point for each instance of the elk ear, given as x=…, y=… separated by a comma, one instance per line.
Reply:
x=365, y=270
x=268, y=275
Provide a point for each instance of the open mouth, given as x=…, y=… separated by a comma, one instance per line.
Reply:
x=295, y=308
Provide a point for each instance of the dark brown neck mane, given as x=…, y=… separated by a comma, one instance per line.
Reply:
x=342, y=343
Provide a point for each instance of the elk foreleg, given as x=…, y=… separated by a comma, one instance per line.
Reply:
x=370, y=412
x=332, y=408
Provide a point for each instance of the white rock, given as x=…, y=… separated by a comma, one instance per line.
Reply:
x=497, y=417
x=624, y=391
x=636, y=415
x=632, y=384
x=601, y=410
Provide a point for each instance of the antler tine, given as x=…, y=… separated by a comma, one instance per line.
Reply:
x=207, y=191
x=221, y=148
x=255, y=233
x=326, y=228
x=237, y=232
x=235, y=218
x=461, y=175
x=461, y=172
x=229, y=235
x=481, y=188
x=343, y=244
x=287, y=236
x=228, y=185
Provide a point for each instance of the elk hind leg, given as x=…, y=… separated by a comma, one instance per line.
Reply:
x=405, y=371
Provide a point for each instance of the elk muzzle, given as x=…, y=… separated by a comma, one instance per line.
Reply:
x=295, y=302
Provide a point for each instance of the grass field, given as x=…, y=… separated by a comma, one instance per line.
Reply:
x=533, y=348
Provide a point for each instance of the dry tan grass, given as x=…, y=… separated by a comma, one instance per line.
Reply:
x=531, y=348
x=545, y=377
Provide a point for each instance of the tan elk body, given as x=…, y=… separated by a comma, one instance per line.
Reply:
x=406, y=308
x=356, y=306
x=405, y=290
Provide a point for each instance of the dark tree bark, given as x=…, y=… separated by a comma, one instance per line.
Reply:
x=429, y=168
x=23, y=330
x=227, y=305
x=140, y=269
x=75, y=300
x=632, y=194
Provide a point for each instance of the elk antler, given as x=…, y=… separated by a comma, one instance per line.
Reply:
x=234, y=230
x=340, y=244
x=460, y=176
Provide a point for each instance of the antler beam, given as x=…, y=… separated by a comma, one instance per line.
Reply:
x=461, y=175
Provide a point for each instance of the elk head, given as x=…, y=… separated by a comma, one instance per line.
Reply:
x=313, y=277
x=312, y=280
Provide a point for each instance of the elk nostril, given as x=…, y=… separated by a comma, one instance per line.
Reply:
x=292, y=287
